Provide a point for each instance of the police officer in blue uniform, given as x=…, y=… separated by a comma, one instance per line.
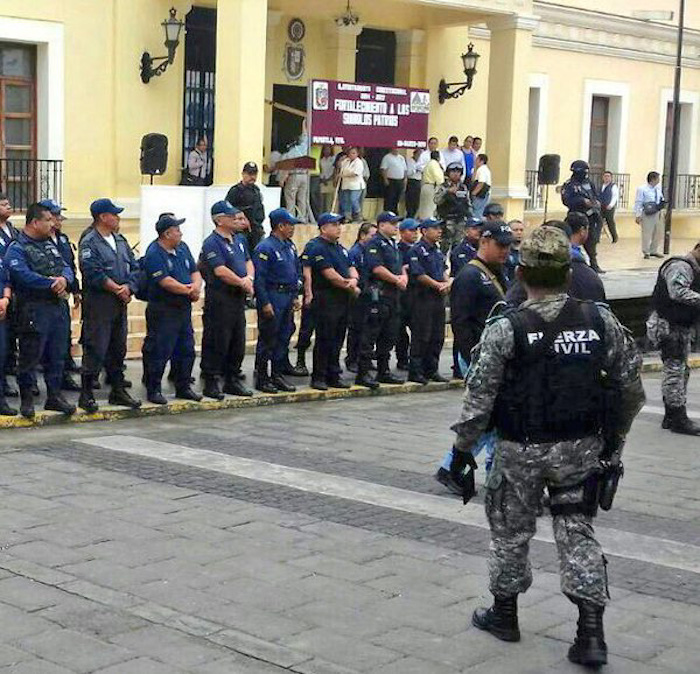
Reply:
x=408, y=235
x=465, y=250
x=40, y=278
x=8, y=234
x=66, y=248
x=174, y=283
x=109, y=279
x=308, y=317
x=357, y=257
x=228, y=272
x=277, y=287
x=430, y=285
x=5, y=296
x=386, y=280
x=334, y=281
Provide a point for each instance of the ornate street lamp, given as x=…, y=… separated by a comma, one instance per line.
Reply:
x=469, y=61
x=172, y=27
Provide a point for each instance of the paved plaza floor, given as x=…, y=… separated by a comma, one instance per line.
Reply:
x=312, y=538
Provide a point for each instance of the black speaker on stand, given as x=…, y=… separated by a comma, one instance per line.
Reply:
x=154, y=155
x=548, y=174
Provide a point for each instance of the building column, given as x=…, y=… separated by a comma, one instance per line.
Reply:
x=506, y=120
x=341, y=50
x=410, y=58
x=241, y=36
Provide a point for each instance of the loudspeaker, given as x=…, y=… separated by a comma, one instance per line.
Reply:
x=154, y=154
x=548, y=169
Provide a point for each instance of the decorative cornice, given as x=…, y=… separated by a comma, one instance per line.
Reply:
x=513, y=22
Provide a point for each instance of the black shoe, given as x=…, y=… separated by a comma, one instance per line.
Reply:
x=417, y=378
x=295, y=371
x=212, y=389
x=319, y=384
x=659, y=255
x=501, y=619
x=69, y=384
x=351, y=366
x=282, y=385
x=188, y=394
x=589, y=647
x=678, y=422
x=57, y=403
x=10, y=390
x=87, y=402
x=235, y=387
x=339, y=383
x=301, y=365
x=265, y=386
x=26, y=408
x=452, y=482
x=156, y=397
x=436, y=376
x=402, y=365
x=120, y=396
x=387, y=377
x=5, y=409
x=368, y=381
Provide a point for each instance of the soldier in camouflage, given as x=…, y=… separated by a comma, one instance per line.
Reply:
x=537, y=376
x=676, y=302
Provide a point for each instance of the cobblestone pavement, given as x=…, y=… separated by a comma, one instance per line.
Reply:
x=266, y=540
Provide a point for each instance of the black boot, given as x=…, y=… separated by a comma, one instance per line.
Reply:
x=26, y=406
x=501, y=619
x=281, y=384
x=120, y=396
x=589, y=648
x=301, y=369
x=188, y=393
x=57, y=403
x=678, y=422
x=212, y=389
x=264, y=384
x=385, y=376
x=235, y=387
x=417, y=377
x=365, y=379
x=5, y=409
x=87, y=398
x=154, y=394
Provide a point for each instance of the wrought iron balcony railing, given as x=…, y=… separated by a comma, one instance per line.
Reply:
x=25, y=181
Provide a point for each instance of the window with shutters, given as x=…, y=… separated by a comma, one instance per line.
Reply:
x=598, y=148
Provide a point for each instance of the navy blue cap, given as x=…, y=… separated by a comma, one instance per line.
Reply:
x=328, y=218
x=281, y=216
x=430, y=222
x=52, y=205
x=100, y=206
x=388, y=216
x=166, y=221
x=499, y=231
x=473, y=222
x=223, y=208
x=408, y=223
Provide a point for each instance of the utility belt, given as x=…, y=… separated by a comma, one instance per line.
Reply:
x=550, y=435
x=284, y=287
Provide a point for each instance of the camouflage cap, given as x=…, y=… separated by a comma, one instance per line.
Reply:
x=545, y=247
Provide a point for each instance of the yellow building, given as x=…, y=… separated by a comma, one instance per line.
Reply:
x=569, y=78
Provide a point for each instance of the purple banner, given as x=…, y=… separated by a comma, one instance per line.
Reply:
x=368, y=115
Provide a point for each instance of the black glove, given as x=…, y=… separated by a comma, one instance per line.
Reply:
x=468, y=485
x=458, y=463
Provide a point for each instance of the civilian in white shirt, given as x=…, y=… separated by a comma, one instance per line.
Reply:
x=393, y=168
x=425, y=155
x=452, y=153
x=609, y=196
x=414, y=175
x=350, y=170
x=648, y=204
x=481, y=186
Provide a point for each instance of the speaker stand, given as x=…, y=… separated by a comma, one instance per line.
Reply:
x=546, y=202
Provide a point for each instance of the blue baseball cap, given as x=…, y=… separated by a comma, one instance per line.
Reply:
x=100, y=206
x=281, y=216
x=329, y=218
x=223, y=208
x=430, y=222
x=388, y=216
x=499, y=231
x=473, y=222
x=166, y=221
x=52, y=205
x=409, y=223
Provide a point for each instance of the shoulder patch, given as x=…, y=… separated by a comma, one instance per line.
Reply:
x=211, y=255
x=156, y=274
x=262, y=256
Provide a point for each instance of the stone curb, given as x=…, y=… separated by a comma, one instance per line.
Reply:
x=656, y=365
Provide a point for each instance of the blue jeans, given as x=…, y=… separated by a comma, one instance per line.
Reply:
x=478, y=205
x=350, y=204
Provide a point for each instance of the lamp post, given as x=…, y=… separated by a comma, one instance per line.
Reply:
x=469, y=60
x=675, y=128
x=172, y=28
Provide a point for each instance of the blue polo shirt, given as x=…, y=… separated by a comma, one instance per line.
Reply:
x=276, y=266
x=322, y=254
x=427, y=259
x=357, y=258
x=383, y=252
x=460, y=255
x=404, y=249
x=160, y=264
x=218, y=251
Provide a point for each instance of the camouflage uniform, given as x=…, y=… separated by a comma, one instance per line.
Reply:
x=674, y=340
x=520, y=472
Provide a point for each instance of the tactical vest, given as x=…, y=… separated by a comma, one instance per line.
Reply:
x=675, y=312
x=44, y=258
x=553, y=388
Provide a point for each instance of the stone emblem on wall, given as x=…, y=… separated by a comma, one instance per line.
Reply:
x=294, y=57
